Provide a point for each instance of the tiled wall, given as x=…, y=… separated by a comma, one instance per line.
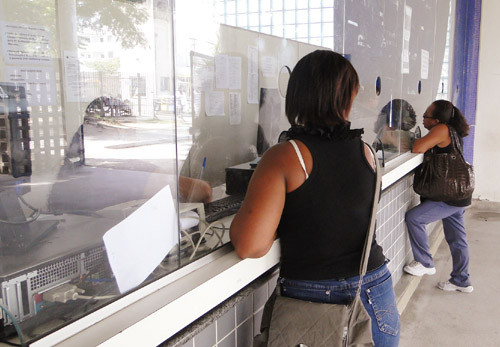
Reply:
x=236, y=321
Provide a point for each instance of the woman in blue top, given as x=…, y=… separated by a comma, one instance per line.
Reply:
x=315, y=193
x=440, y=118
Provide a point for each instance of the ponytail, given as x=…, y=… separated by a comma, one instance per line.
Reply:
x=449, y=114
x=458, y=122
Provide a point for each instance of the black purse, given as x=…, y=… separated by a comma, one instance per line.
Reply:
x=445, y=176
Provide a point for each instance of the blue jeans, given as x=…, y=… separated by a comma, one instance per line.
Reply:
x=377, y=295
x=454, y=232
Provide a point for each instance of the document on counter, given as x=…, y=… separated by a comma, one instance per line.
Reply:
x=139, y=243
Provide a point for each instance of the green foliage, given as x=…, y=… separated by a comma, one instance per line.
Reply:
x=122, y=18
x=108, y=66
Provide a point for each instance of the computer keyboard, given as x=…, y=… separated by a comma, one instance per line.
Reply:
x=224, y=207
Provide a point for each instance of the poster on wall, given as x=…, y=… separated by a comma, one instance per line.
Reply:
x=405, y=59
x=72, y=76
x=25, y=44
x=39, y=82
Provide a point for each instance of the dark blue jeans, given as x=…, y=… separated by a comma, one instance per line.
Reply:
x=377, y=295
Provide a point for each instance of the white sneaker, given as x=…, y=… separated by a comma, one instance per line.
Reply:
x=417, y=269
x=450, y=287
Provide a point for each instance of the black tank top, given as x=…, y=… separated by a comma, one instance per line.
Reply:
x=324, y=222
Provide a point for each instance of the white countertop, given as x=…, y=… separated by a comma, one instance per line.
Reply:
x=152, y=314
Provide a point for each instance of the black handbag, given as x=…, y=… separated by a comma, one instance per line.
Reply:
x=292, y=322
x=445, y=176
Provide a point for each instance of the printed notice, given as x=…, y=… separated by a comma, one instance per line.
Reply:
x=268, y=66
x=138, y=244
x=234, y=108
x=214, y=103
x=39, y=82
x=72, y=76
x=253, y=75
x=234, y=72
x=221, y=78
x=227, y=72
x=424, y=67
x=24, y=44
x=405, y=57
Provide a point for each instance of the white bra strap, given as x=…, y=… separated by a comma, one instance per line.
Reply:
x=300, y=157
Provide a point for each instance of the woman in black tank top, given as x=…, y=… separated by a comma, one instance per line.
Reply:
x=317, y=198
x=440, y=118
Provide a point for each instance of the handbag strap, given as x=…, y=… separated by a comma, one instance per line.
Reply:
x=455, y=141
x=371, y=227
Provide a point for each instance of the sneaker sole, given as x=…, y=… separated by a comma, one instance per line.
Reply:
x=428, y=272
x=458, y=289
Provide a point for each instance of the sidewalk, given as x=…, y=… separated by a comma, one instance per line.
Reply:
x=433, y=317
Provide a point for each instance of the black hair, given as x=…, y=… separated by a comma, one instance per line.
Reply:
x=449, y=114
x=398, y=114
x=320, y=90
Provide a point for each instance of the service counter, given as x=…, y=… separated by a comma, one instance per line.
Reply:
x=219, y=297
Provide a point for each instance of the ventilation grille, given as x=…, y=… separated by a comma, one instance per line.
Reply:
x=93, y=258
x=50, y=274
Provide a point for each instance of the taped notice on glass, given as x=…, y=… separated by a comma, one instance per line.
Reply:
x=25, y=44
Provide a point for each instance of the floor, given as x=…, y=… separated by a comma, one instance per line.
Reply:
x=433, y=317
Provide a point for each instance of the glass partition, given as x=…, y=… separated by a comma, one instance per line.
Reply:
x=129, y=129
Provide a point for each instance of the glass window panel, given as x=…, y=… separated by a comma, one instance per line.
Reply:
x=231, y=19
x=277, y=30
x=315, y=30
x=289, y=5
x=241, y=6
x=302, y=16
x=230, y=7
x=265, y=5
x=315, y=41
x=277, y=4
x=253, y=19
x=327, y=29
x=278, y=18
x=315, y=16
x=302, y=30
x=290, y=31
x=328, y=3
x=253, y=5
x=265, y=19
x=301, y=4
x=328, y=15
x=265, y=30
x=314, y=3
x=289, y=17
x=242, y=20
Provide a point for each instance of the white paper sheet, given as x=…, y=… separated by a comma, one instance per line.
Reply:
x=424, y=67
x=268, y=66
x=138, y=244
x=221, y=77
x=234, y=73
x=72, y=76
x=405, y=55
x=253, y=75
x=39, y=81
x=24, y=44
x=234, y=108
x=214, y=103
